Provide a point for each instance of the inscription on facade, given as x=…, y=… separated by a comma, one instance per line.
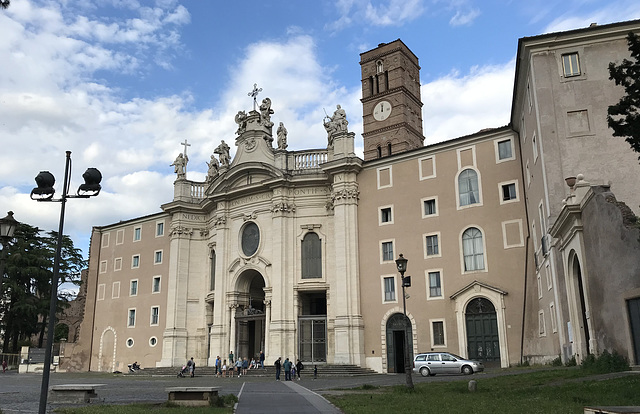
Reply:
x=194, y=217
x=250, y=199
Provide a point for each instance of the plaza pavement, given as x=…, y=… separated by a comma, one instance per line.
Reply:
x=20, y=393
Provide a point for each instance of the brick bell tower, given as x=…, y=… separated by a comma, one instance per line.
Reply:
x=391, y=105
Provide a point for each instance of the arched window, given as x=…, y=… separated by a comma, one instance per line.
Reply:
x=389, y=148
x=379, y=152
x=379, y=67
x=311, y=256
x=472, y=249
x=468, y=187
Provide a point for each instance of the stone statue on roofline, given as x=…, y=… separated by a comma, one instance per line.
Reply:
x=180, y=165
x=223, y=153
x=266, y=112
x=335, y=124
x=241, y=120
x=282, y=137
x=213, y=168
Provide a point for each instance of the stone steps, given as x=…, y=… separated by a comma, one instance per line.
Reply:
x=325, y=370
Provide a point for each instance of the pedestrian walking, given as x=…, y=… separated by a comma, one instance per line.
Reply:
x=4, y=366
x=239, y=367
x=261, y=359
x=218, y=366
x=193, y=368
x=315, y=372
x=278, y=366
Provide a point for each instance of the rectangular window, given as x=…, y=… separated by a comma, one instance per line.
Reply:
x=435, y=286
x=571, y=65
x=155, y=315
x=387, y=251
x=504, y=149
x=539, y=279
x=534, y=143
x=156, y=284
x=137, y=233
x=542, y=331
x=135, y=261
x=117, y=264
x=429, y=207
x=133, y=291
x=389, y=289
x=103, y=266
x=160, y=229
x=509, y=192
x=115, y=290
x=101, y=289
x=105, y=240
x=547, y=270
x=432, y=245
x=212, y=271
x=132, y=318
x=552, y=316
x=385, y=215
x=158, y=257
x=120, y=236
x=438, y=333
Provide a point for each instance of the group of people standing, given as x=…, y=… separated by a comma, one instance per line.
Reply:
x=240, y=365
x=290, y=369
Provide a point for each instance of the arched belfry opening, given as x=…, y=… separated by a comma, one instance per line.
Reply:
x=250, y=314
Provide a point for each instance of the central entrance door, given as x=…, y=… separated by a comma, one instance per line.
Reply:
x=482, y=331
x=312, y=327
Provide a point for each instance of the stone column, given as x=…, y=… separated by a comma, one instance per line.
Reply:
x=232, y=335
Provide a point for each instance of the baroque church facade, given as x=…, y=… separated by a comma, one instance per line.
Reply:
x=293, y=252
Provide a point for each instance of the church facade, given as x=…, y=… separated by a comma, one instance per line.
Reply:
x=293, y=252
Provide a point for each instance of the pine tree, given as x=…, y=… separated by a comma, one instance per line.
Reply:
x=624, y=117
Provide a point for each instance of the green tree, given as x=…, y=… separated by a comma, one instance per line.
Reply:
x=624, y=117
x=4, y=4
x=27, y=285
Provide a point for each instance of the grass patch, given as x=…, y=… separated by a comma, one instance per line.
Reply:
x=550, y=391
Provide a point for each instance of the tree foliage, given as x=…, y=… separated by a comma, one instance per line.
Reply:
x=27, y=283
x=624, y=117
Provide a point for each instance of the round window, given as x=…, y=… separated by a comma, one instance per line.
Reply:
x=129, y=342
x=153, y=341
x=250, y=239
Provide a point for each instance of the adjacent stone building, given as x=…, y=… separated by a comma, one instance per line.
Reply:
x=293, y=252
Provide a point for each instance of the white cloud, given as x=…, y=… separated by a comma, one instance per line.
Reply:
x=376, y=13
x=462, y=18
x=615, y=11
x=457, y=105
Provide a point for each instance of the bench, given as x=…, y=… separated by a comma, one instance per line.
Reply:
x=193, y=396
x=612, y=410
x=73, y=393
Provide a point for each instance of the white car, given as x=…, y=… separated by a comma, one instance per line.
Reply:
x=432, y=363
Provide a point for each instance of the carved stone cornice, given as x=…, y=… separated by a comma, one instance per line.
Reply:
x=181, y=231
x=219, y=222
x=345, y=194
x=250, y=216
x=283, y=207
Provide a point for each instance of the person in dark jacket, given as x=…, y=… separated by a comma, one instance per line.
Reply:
x=278, y=366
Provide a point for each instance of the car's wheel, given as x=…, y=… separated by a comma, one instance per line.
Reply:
x=467, y=370
x=424, y=371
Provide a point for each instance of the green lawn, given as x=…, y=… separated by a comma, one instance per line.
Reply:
x=549, y=391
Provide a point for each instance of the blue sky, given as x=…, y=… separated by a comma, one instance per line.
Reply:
x=121, y=83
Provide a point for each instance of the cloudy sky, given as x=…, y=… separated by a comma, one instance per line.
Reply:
x=121, y=83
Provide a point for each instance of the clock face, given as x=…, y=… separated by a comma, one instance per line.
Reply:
x=382, y=110
x=250, y=239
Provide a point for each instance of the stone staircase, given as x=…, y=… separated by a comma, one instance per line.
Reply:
x=324, y=370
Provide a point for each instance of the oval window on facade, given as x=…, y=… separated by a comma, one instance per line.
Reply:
x=250, y=239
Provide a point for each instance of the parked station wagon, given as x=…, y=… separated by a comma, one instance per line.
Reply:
x=432, y=363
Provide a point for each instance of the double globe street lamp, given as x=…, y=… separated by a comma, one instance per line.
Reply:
x=45, y=192
x=401, y=264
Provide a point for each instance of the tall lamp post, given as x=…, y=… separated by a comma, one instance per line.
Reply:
x=44, y=192
x=7, y=228
x=401, y=263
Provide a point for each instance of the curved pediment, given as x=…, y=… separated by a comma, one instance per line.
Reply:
x=245, y=175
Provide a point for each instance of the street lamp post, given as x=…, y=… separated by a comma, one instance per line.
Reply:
x=44, y=192
x=401, y=263
x=7, y=228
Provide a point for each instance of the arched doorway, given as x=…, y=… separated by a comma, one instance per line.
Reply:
x=483, y=343
x=250, y=315
x=398, y=330
x=582, y=306
x=107, y=353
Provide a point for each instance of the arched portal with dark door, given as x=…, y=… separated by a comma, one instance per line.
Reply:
x=483, y=343
x=582, y=305
x=250, y=315
x=398, y=332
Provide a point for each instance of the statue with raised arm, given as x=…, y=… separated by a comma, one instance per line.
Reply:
x=213, y=168
x=266, y=112
x=241, y=120
x=223, y=153
x=282, y=137
x=336, y=123
x=180, y=165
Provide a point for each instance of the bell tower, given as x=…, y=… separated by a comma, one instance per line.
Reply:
x=391, y=104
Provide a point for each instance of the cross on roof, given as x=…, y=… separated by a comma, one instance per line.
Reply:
x=254, y=94
x=185, y=144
